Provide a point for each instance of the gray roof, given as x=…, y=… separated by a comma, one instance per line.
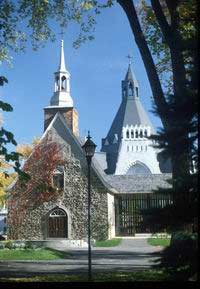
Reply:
x=127, y=184
x=101, y=159
x=130, y=112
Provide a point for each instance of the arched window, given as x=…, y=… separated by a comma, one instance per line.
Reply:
x=136, y=134
x=63, y=84
x=141, y=133
x=127, y=134
x=138, y=168
x=57, y=213
x=132, y=134
x=58, y=178
x=124, y=92
x=145, y=133
x=137, y=91
x=57, y=83
x=130, y=89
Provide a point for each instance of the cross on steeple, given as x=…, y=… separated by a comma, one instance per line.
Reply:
x=129, y=57
x=61, y=32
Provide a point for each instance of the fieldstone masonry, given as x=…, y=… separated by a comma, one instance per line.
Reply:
x=73, y=200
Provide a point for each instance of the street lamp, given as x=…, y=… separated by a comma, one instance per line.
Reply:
x=89, y=149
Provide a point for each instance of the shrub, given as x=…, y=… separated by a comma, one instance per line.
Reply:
x=9, y=244
x=181, y=256
x=28, y=245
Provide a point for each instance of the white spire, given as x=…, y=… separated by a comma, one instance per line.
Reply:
x=62, y=96
x=62, y=67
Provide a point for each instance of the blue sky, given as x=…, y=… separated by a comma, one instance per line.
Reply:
x=96, y=68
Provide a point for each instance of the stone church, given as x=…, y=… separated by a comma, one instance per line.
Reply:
x=124, y=173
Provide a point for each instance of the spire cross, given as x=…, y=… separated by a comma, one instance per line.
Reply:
x=129, y=57
x=62, y=32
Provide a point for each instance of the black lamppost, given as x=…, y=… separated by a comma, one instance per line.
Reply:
x=89, y=148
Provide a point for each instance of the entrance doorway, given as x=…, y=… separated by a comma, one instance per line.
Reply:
x=58, y=224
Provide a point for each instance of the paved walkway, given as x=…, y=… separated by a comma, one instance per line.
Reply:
x=132, y=254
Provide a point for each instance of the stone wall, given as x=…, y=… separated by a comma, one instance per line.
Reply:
x=73, y=200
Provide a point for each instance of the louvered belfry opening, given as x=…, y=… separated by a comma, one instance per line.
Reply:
x=130, y=216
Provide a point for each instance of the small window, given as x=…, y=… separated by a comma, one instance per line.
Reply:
x=136, y=134
x=127, y=134
x=58, y=179
x=141, y=134
x=145, y=133
x=132, y=134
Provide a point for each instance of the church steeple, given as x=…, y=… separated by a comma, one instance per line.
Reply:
x=130, y=87
x=62, y=96
x=127, y=145
x=61, y=101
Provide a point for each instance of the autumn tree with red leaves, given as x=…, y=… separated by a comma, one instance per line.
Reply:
x=40, y=166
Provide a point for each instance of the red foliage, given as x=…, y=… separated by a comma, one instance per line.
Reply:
x=39, y=189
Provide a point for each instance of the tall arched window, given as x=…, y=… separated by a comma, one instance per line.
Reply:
x=57, y=83
x=130, y=89
x=141, y=133
x=145, y=133
x=136, y=134
x=137, y=95
x=63, y=84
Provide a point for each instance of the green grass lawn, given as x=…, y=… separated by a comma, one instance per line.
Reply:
x=164, y=242
x=146, y=275
x=108, y=243
x=32, y=254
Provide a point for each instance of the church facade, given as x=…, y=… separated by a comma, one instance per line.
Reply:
x=124, y=173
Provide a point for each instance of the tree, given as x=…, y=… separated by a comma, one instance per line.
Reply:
x=40, y=166
x=25, y=150
x=5, y=181
x=6, y=137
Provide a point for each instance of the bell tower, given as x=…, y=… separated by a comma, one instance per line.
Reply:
x=61, y=100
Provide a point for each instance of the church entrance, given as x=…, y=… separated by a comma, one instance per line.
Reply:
x=131, y=216
x=58, y=224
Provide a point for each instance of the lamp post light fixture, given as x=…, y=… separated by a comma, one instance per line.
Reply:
x=89, y=149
